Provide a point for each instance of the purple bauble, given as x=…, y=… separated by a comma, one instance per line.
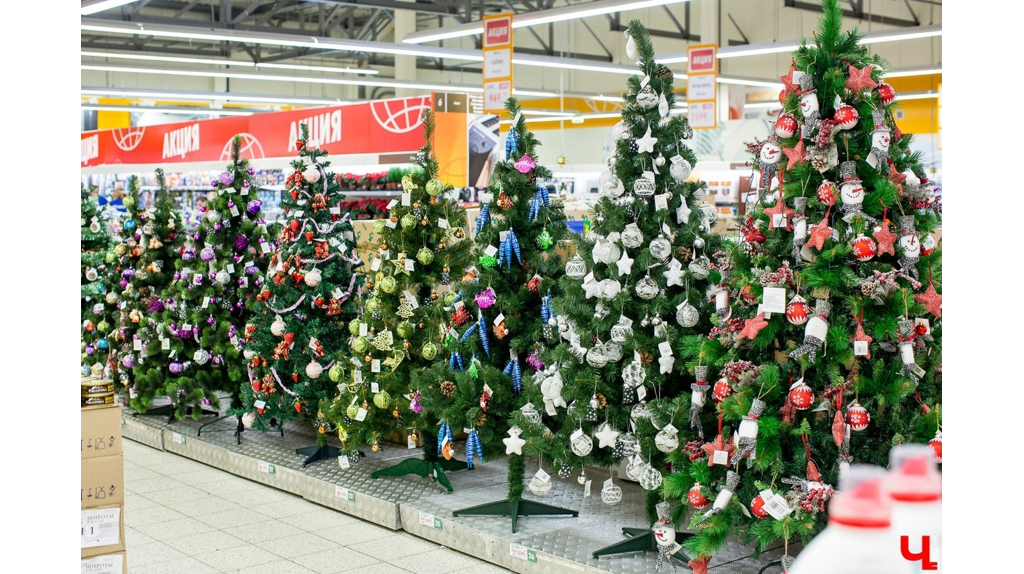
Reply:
x=217, y=360
x=128, y=361
x=227, y=178
x=534, y=360
x=217, y=227
x=206, y=402
x=127, y=273
x=254, y=206
x=176, y=367
x=89, y=350
x=123, y=284
x=251, y=171
x=206, y=254
x=245, y=184
x=97, y=309
x=209, y=320
x=250, y=270
x=156, y=305
x=177, y=276
x=188, y=254
x=241, y=242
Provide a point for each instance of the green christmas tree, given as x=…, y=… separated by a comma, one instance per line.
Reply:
x=405, y=320
x=216, y=279
x=294, y=341
x=99, y=287
x=638, y=288
x=124, y=356
x=808, y=386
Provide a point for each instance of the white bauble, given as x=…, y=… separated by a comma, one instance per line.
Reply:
x=313, y=278
x=222, y=277
x=313, y=369
x=278, y=326
x=311, y=174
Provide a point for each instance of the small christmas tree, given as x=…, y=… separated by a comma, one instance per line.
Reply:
x=294, y=341
x=123, y=357
x=99, y=287
x=806, y=387
x=215, y=279
x=405, y=321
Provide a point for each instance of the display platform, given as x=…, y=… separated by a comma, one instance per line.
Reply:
x=423, y=508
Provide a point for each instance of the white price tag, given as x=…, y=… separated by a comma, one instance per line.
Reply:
x=375, y=266
x=342, y=463
x=391, y=224
x=206, y=302
x=661, y=201
x=411, y=441
x=589, y=277
x=406, y=199
x=177, y=438
x=337, y=293
x=486, y=197
x=502, y=235
x=375, y=366
x=264, y=467
x=918, y=371
x=774, y=300
x=300, y=213
x=645, y=81
x=361, y=414
x=244, y=283
x=442, y=223
x=835, y=235
x=586, y=488
x=458, y=305
x=608, y=484
x=391, y=204
x=165, y=344
x=231, y=267
x=575, y=435
x=641, y=392
x=490, y=251
x=860, y=348
x=412, y=299
x=265, y=247
x=343, y=247
x=665, y=349
x=777, y=507
x=720, y=457
x=137, y=344
x=779, y=220
x=543, y=476
x=335, y=211
x=357, y=376
x=410, y=265
x=499, y=319
x=374, y=388
x=363, y=329
x=670, y=429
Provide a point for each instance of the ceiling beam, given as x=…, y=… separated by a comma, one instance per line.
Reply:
x=858, y=13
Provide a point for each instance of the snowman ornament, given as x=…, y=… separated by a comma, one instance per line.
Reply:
x=878, y=157
x=911, y=245
x=809, y=105
x=851, y=190
x=665, y=533
x=768, y=159
x=799, y=226
x=698, y=397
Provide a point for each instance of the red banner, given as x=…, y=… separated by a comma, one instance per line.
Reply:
x=385, y=126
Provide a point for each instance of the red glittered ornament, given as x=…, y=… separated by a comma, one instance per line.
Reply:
x=256, y=386
x=782, y=97
x=857, y=417
x=935, y=444
x=798, y=311
x=298, y=407
x=864, y=248
x=757, y=507
x=721, y=391
x=534, y=285
x=886, y=93
x=295, y=377
x=696, y=498
x=846, y=117
x=755, y=235
x=827, y=193
x=786, y=126
x=801, y=396
x=309, y=236
x=259, y=410
x=294, y=225
x=747, y=295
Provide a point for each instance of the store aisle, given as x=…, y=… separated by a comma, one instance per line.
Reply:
x=183, y=516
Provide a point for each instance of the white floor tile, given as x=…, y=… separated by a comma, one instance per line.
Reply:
x=297, y=545
x=335, y=560
x=260, y=531
x=205, y=542
x=237, y=558
x=178, y=528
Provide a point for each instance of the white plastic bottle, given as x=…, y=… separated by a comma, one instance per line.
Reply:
x=859, y=538
x=916, y=489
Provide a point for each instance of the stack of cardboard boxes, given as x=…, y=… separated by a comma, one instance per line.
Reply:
x=103, y=550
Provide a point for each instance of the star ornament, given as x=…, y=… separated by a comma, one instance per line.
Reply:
x=674, y=274
x=625, y=264
x=513, y=444
x=896, y=177
x=795, y=154
x=753, y=326
x=719, y=444
x=819, y=234
x=592, y=288
x=780, y=209
x=666, y=364
x=860, y=80
x=646, y=143
x=885, y=238
x=860, y=335
x=606, y=436
x=791, y=86
x=400, y=266
x=931, y=299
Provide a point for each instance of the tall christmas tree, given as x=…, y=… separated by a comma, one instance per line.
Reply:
x=637, y=288
x=405, y=320
x=807, y=387
x=122, y=358
x=501, y=327
x=216, y=278
x=293, y=343
x=99, y=281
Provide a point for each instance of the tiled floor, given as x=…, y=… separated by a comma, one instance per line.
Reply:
x=183, y=516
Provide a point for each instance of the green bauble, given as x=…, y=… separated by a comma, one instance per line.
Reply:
x=424, y=256
x=111, y=258
x=404, y=329
x=449, y=298
x=388, y=284
x=353, y=327
x=429, y=351
x=544, y=240
x=408, y=221
x=336, y=373
x=407, y=183
x=352, y=411
x=382, y=400
x=379, y=225
x=128, y=201
x=371, y=304
x=360, y=344
x=102, y=326
x=434, y=187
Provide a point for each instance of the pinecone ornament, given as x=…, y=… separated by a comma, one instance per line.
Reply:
x=448, y=388
x=664, y=72
x=868, y=288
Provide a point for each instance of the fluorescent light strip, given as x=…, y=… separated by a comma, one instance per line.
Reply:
x=547, y=113
x=172, y=95
x=102, y=5
x=917, y=96
x=746, y=82
x=539, y=17
x=213, y=62
x=531, y=93
x=759, y=105
x=184, y=111
x=910, y=73
x=573, y=64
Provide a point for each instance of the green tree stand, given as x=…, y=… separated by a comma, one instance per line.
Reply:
x=430, y=465
x=641, y=540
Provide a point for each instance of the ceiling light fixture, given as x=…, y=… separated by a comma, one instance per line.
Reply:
x=181, y=111
x=94, y=7
x=214, y=62
x=229, y=97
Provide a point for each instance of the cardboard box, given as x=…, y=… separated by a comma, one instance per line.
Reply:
x=101, y=431
x=102, y=530
x=365, y=241
x=102, y=481
x=113, y=563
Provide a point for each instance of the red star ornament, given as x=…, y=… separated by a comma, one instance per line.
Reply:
x=795, y=154
x=860, y=80
x=791, y=86
x=860, y=335
x=753, y=326
x=779, y=209
x=699, y=565
x=719, y=444
x=931, y=299
x=896, y=177
x=885, y=238
x=819, y=234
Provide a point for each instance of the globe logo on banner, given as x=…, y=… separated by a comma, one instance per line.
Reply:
x=251, y=148
x=400, y=116
x=128, y=138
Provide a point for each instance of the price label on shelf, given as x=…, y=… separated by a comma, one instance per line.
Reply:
x=264, y=467
x=177, y=438
x=522, y=552
x=344, y=493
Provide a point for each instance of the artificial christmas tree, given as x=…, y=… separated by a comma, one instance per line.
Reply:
x=641, y=283
x=216, y=277
x=507, y=301
x=99, y=287
x=805, y=388
x=293, y=341
x=405, y=319
x=123, y=355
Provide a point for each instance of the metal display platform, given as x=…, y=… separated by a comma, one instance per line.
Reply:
x=423, y=508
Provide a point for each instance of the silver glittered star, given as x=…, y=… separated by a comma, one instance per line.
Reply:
x=646, y=143
x=592, y=288
x=674, y=274
x=625, y=264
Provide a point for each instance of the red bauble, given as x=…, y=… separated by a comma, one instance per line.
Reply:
x=298, y=407
x=864, y=248
x=798, y=311
x=721, y=391
x=857, y=417
x=757, y=507
x=756, y=236
x=309, y=236
x=886, y=93
x=294, y=225
x=801, y=396
x=786, y=126
x=846, y=117
x=696, y=499
x=827, y=193
x=255, y=385
x=782, y=97
x=936, y=445
x=747, y=295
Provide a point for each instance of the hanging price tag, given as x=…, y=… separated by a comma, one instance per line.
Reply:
x=374, y=388
x=335, y=211
x=442, y=223
x=543, y=476
x=774, y=300
x=491, y=250
x=265, y=247
x=410, y=265
x=641, y=392
x=586, y=488
x=375, y=266
x=137, y=344
x=412, y=299
x=860, y=348
x=361, y=414
x=720, y=457
x=486, y=197
x=391, y=204
x=165, y=344
x=665, y=349
x=645, y=81
x=411, y=441
x=406, y=199
x=391, y=224
x=231, y=267
x=206, y=302
x=777, y=507
x=375, y=366
x=499, y=319
x=342, y=463
x=661, y=201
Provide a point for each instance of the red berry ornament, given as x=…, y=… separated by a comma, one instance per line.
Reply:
x=936, y=445
x=721, y=391
x=846, y=117
x=757, y=507
x=827, y=193
x=864, y=248
x=298, y=407
x=798, y=311
x=857, y=417
x=786, y=126
x=801, y=396
x=886, y=93
x=696, y=499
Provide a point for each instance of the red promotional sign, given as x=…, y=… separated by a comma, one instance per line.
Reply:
x=385, y=126
x=702, y=60
x=497, y=32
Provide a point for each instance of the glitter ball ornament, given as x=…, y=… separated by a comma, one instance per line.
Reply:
x=596, y=356
x=424, y=256
x=650, y=478
x=564, y=471
x=538, y=486
x=936, y=445
x=176, y=367
x=611, y=494
x=857, y=417
x=801, y=396
x=278, y=326
x=647, y=288
x=667, y=441
x=722, y=390
x=757, y=507
x=335, y=373
x=485, y=298
x=429, y=351
x=575, y=267
x=660, y=248
x=314, y=369
x=388, y=284
x=409, y=221
x=647, y=98
x=696, y=498
x=207, y=254
x=525, y=164
x=631, y=236
x=381, y=400
x=313, y=278
x=886, y=93
x=434, y=187
x=643, y=187
x=581, y=444
x=798, y=311
x=680, y=169
x=864, y=248
x=786, y=126
x=827, y=193
x=846, y=117
x=700, y=267
x=687, y=315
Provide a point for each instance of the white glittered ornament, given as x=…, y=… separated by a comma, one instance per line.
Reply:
x=313, y=369
x=630, y=46
x=660, y=247
x=278, y=326
x=680, y=169
x=647, y=288
x=666, y=441
x=662, y=106
x=94, y=227
x=313, y=278
x=597, y=357
x=213, y=216
x=201, y=356
x=91, y=274
x=222, y=277
x=632, y=237
x=700, y=267
x=111, y=297
x=687, y=315
x=311, y=174
x=647, y=98
x=248, y=419
x=248, y=354
x=611, y=494
x=581, y=444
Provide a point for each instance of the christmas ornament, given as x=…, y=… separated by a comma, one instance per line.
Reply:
x=747, y=444
x=864, y=248
x=647, y=288
x=606, y=436
x=580, y=443
x=886, y=93
x=650, y=478
x=786, y=126
x=936, y=445
x=525, y=164
x=820, y=233
x=667, y=439
x=575, y=267
x=514, y=444
x=424, y=256
x=698, y=397
x=687, y=315
x=795, y=155
x=647, y=98
x=800, y=395
x=808, y=101
x=660, y=248
x=768, y=160
x=757, y=507
x=631, y=236
x=860, y=80
x=814, y=332
x=696, y=497
x=910, y=244
x=798, y=311
x=846, y=117
x=752, y=326
x=880, y=138
x=931, y=299
x=313, y=278
x=679, y=169
x=732, y=480
x=857, y=417
x=596, y=356
x=779, y=216
x=722, y=390
x=611, y=493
